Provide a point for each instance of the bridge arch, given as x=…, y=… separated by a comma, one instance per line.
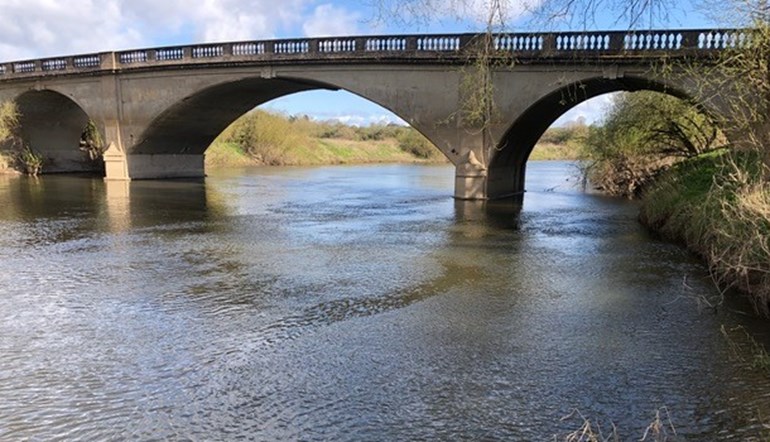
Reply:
x=507, y=167
x=190, y=125
x=52, y=124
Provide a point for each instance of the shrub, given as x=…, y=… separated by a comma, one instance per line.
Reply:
x=413, y=142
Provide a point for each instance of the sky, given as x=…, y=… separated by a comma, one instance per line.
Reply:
x=42, y=28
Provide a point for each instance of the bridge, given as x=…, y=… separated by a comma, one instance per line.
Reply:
x=159, y=109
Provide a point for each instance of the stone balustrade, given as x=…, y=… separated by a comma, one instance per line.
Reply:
x=440, y=48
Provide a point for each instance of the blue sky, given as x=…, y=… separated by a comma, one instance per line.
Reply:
x=39, y=28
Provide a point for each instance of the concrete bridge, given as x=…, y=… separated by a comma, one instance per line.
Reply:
x=159, y=109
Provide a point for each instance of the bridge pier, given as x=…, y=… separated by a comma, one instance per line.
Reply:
x=476, y=182
x=506, y=181
x=121, y=167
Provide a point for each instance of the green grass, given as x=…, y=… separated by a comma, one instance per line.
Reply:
x=314, y=152
x=719, y=205
x=227, y=154
x=544, y=151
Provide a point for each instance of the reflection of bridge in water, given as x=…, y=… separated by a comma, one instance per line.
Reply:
x=159, y=109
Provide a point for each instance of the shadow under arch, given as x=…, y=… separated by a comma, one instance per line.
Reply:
x=190, y=125
x=507, y=167
x=52, y=124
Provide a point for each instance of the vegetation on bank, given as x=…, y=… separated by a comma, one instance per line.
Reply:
x=642, y=135
x=561, y=143
x=8, y=121
x=693, y=187
x=15, y=155
x=719, y=205
x=265, y=138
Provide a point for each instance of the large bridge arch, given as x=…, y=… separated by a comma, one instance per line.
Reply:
x=52, y=124
x=507, y=166
x=180, y=132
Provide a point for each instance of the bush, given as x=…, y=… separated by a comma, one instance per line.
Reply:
x=266, y=136
x=9, y=119
x=91, y=143
x=643, y=134
x=29, y=161
x=413, y=142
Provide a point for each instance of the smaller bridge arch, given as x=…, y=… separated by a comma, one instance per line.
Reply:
x=52, y=124
x=507, y=167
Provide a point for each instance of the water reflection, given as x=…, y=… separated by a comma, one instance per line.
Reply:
x=317, y=304
x=503, y=214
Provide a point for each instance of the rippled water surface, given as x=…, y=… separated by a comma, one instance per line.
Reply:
x=355, y=303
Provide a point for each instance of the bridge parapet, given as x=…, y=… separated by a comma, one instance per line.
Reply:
x=423, y=48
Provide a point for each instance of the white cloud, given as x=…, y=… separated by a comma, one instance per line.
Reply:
x=37, y=28
x=591, y=111
x=30, y=28
x=329, y=20
x=361, y=120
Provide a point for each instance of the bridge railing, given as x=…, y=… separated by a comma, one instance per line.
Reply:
x=650, y=43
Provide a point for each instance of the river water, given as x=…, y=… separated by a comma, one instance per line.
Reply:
x=356, y=303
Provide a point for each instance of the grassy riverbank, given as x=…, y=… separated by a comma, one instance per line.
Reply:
x=314, y=152
x=694, y=188
x=265, y=138
x=561, y=143
x=719, y=205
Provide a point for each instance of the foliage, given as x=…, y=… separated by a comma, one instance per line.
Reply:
x=274, y=139
x=91, y=143
x=642, y=135
x=628, y=13
x=9, y=118
x=8, y=121
x=651, y=123
x=29, y=161
x=265, y=136
x=415, y=143
x=561, y=143
x=17, y=154
x=737, y=84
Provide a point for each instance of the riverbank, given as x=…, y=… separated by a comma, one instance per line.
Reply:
x=265, y=138
x=718, y=204
x=315, y=152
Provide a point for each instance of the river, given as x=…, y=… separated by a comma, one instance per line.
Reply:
x=357, y=303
